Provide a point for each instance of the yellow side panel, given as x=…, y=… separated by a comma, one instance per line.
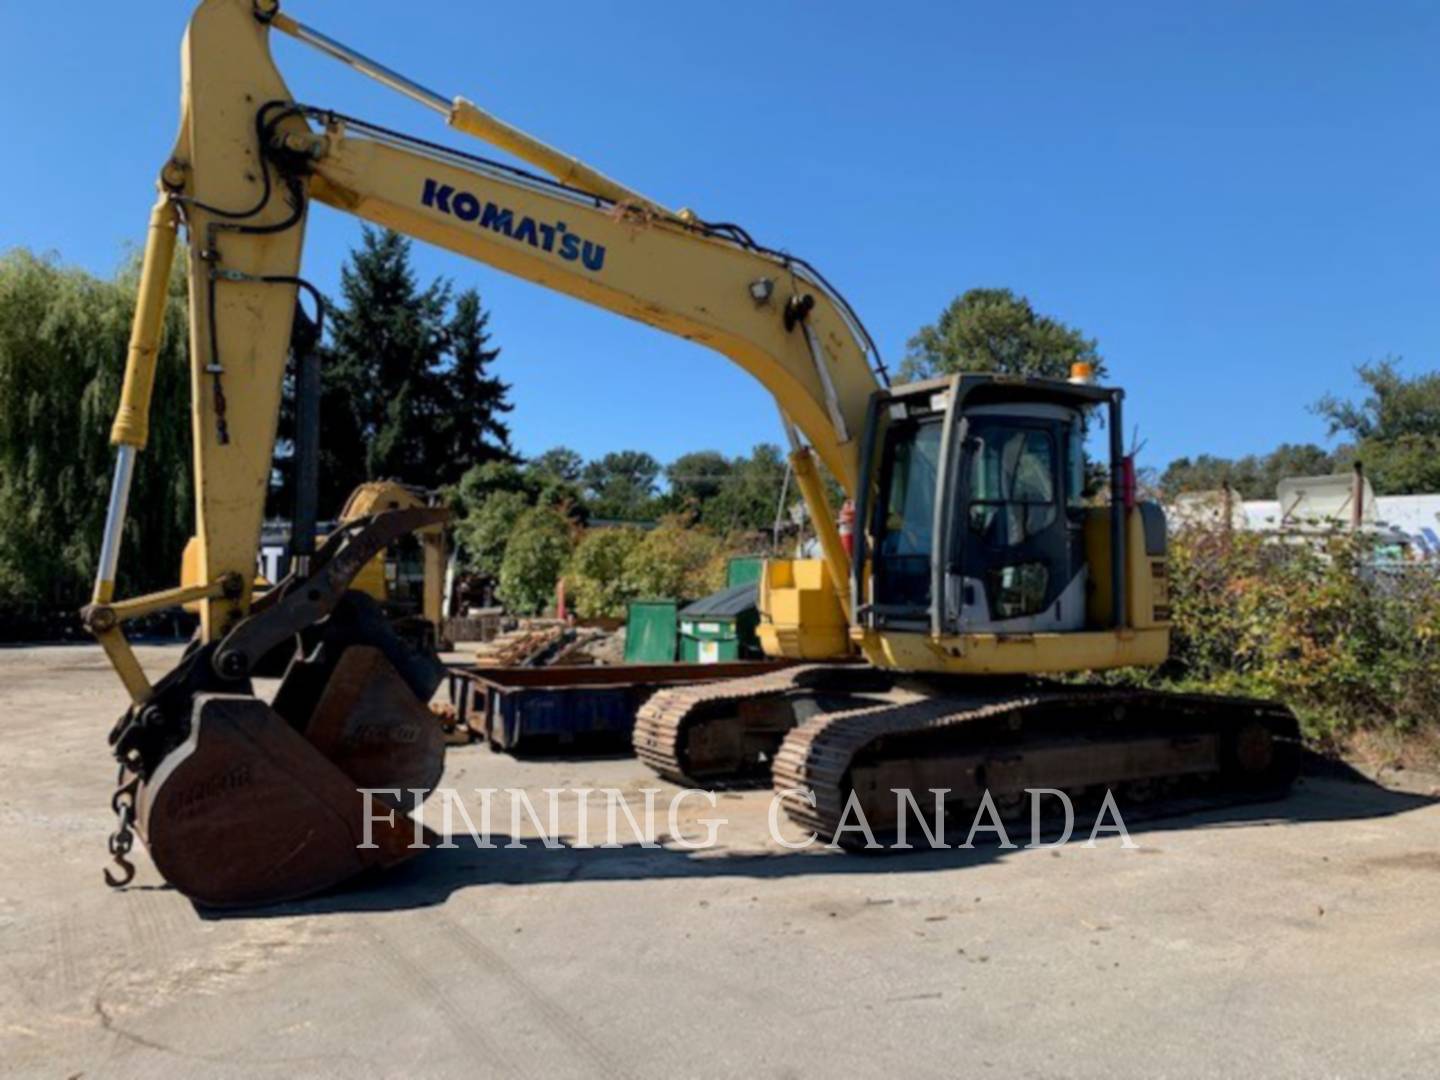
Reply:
x=800, y=615
x=1147, y=591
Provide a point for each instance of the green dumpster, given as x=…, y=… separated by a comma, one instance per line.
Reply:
x=744, y=570
x=721, y=627
x=650, y=632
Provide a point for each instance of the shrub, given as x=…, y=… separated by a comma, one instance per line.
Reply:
x=1347, y=643
x=677, y=560
x=596, y=577
x=485, y=530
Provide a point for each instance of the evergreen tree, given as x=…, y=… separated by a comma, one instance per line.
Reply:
x=388, y=339
x=471, y=401
x=406, y=389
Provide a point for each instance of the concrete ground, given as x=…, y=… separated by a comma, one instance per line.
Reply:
x=1301, y=939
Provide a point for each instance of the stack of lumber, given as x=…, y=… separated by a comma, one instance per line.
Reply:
x=528, y=644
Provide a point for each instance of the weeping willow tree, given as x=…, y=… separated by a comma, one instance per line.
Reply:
x=63, y=336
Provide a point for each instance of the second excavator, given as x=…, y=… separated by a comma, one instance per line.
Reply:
x=977, y=565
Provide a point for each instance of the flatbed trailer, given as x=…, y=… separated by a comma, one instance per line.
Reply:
x=527, y=710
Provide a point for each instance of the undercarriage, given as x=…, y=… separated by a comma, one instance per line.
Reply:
x=842, y=740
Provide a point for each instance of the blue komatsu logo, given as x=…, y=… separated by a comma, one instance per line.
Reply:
x=553, y=237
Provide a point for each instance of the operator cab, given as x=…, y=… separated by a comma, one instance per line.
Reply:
x=994, y=469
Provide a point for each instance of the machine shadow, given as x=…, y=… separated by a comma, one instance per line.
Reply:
x=1327, y=792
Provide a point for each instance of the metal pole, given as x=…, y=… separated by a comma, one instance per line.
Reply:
x=780, y=506
x=1357, y=498
x=939, y=529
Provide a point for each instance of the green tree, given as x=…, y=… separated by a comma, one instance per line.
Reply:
x=994, y=330
x=63, y=339
x=556, y=477
x=1293, y=459
x=483, y=533
x=751, y=492
x=558, y=463
x=596, y=576
x=388, y=339
x=1395, y=427
x=470, y=401
x=676, y=560
x=536, y=554
x=407, y=392
x=697, y=477
x=621, y=485
x=1254, y=476
x=488, y=501
x=482, y=481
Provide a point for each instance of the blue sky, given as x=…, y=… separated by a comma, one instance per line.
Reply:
x=1239, y=200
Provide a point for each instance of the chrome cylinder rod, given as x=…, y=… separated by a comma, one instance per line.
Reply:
x=376, y=70
x=114, y=524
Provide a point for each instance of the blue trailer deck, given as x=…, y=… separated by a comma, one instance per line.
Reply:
x=535, y=709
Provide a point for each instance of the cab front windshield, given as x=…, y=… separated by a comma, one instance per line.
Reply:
x=1011, y=483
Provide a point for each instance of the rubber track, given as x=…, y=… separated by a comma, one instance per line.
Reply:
x=816, y=756
x=661, y=722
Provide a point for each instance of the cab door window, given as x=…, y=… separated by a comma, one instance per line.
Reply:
x=907, y=525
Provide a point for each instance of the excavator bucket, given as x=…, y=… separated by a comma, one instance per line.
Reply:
x=246, y=812
x=243, y=802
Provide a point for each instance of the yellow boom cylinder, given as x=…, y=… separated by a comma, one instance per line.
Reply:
x=807, y=479
x=132, y=419
x=470, y=118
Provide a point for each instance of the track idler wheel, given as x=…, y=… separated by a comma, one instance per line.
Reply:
x=1262, y=754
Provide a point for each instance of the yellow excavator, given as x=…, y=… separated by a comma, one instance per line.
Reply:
x=424, y=624
x=976, y=565
x=380, y=578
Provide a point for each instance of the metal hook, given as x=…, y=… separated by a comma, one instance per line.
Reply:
x=127, y=866
x=122, y=839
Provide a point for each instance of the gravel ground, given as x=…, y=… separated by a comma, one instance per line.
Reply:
x=1295, y=939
